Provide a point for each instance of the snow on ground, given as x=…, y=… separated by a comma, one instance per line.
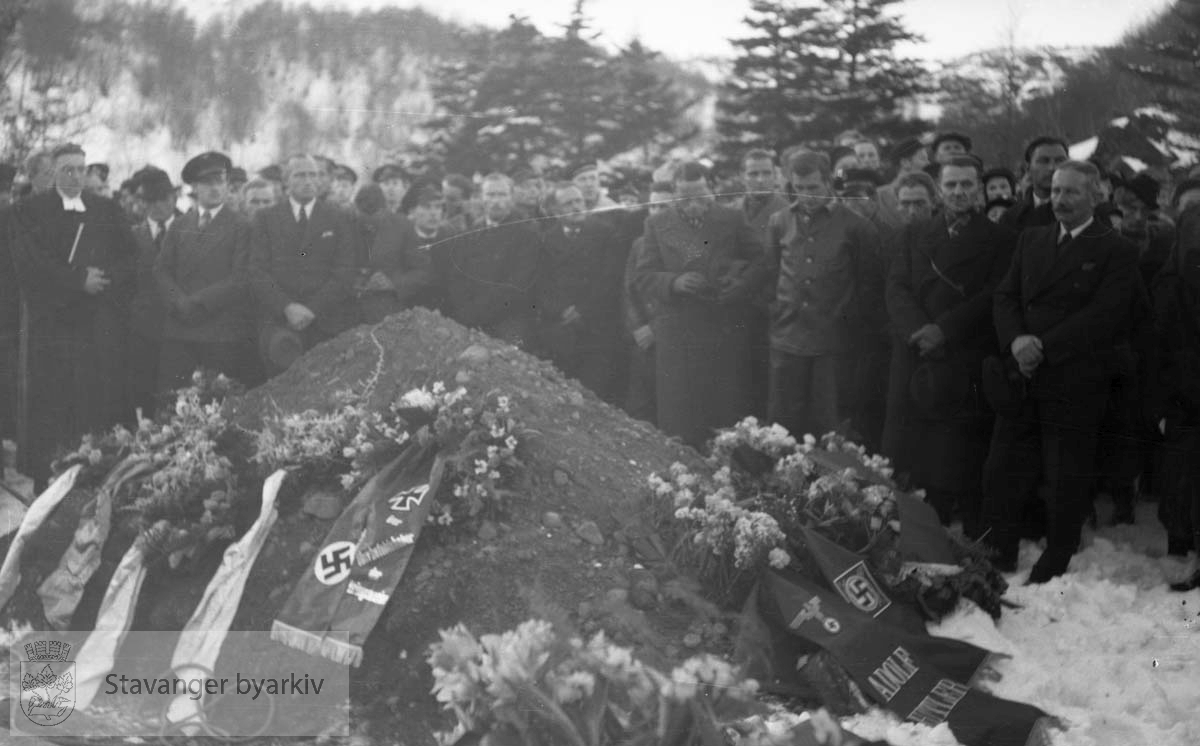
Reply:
x=1106, y=649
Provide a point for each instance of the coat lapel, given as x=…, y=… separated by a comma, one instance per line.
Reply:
x=1059, y=262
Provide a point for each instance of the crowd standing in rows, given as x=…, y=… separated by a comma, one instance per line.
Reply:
x=1014, y=344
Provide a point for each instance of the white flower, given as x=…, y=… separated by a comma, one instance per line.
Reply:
x=779, y=558
x=510, y=443
x=418, y=399
x=502, y=403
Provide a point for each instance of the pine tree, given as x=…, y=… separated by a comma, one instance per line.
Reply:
x=651, y=106
x=1165, y=56
x=811, y=70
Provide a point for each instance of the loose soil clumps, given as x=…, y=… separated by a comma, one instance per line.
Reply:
x=576, y=544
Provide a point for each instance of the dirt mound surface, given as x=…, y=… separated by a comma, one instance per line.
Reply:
x=575, y=546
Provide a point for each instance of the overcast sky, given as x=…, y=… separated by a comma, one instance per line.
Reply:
x=701, y=28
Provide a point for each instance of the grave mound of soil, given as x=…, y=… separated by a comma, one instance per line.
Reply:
x=575, y=546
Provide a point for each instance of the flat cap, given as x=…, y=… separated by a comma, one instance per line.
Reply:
x=206, y=165
x=389, y=171
x=957, y=137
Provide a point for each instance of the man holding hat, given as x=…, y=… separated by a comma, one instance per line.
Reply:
x=302, y=265
x=202, y=275
x=147, y=311
x=74, y=255
x=939, y=299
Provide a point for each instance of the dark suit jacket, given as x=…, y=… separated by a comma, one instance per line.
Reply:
x=584, y=271
x=210, y=268
x=1024, y=215
x=147, y=310
x=959, y=299
x=43, y=234
x=315, y=269
x=490, y=274
x=1076, y=299
x=758, y=214
x=829, y=281
x=406, y=258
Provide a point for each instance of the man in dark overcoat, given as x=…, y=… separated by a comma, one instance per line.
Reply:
x=402, y=273
x=829, y=290
x=202, y=275
x=939, y=299
x=74, y=255
x=701, y=264
x=1060, y=311
x=147, y=312
x=302, y=266
x=490, y=272
x=579, y=294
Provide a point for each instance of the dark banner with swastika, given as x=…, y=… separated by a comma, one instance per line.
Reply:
x=362, y=559
x=921, y=678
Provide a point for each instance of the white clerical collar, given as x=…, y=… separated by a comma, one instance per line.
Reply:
x=72, y=204
x=308, y=207
x=1062, y=229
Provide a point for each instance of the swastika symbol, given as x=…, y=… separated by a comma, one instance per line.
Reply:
x=334, y=562
x=861, y=593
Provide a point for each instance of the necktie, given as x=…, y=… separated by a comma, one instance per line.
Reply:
x=204, y=219
x=1064, y=238
x=159, y=232
x=302, y=221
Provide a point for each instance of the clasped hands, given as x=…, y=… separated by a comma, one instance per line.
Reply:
x=696, y=284
x=929, y=340
x=1027, y=349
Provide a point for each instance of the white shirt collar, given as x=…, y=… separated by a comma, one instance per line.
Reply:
x=1062, y=229
x=154, y=225
x=1039, y=201
x=74, y=204
x=308, y=207
x=212, y=211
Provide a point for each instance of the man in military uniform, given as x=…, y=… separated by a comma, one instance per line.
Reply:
x=702, y=266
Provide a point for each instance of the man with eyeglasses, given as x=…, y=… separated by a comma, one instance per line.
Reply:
x=74, y=255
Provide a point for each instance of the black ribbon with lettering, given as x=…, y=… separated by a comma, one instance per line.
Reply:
x=909, y=674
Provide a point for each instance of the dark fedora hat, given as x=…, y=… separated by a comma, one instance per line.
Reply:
x=940, y=387
x=279, y=346
x=1143, y=186
x=206, y=165
x=1003, y=386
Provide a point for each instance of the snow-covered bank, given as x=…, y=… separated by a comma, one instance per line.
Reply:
x=1107, y=648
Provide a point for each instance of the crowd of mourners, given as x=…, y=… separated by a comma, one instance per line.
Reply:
x=1015, y=343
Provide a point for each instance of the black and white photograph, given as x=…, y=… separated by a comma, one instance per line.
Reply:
x=600, y=372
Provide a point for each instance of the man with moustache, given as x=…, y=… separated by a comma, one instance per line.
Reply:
x=939, y=299
x=701, y=265
x=1060, y=311
x=302, y=266
x=1042, y=156
x=579, y=294
x=202, y=277
x=74, y=255
x=490, y=272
